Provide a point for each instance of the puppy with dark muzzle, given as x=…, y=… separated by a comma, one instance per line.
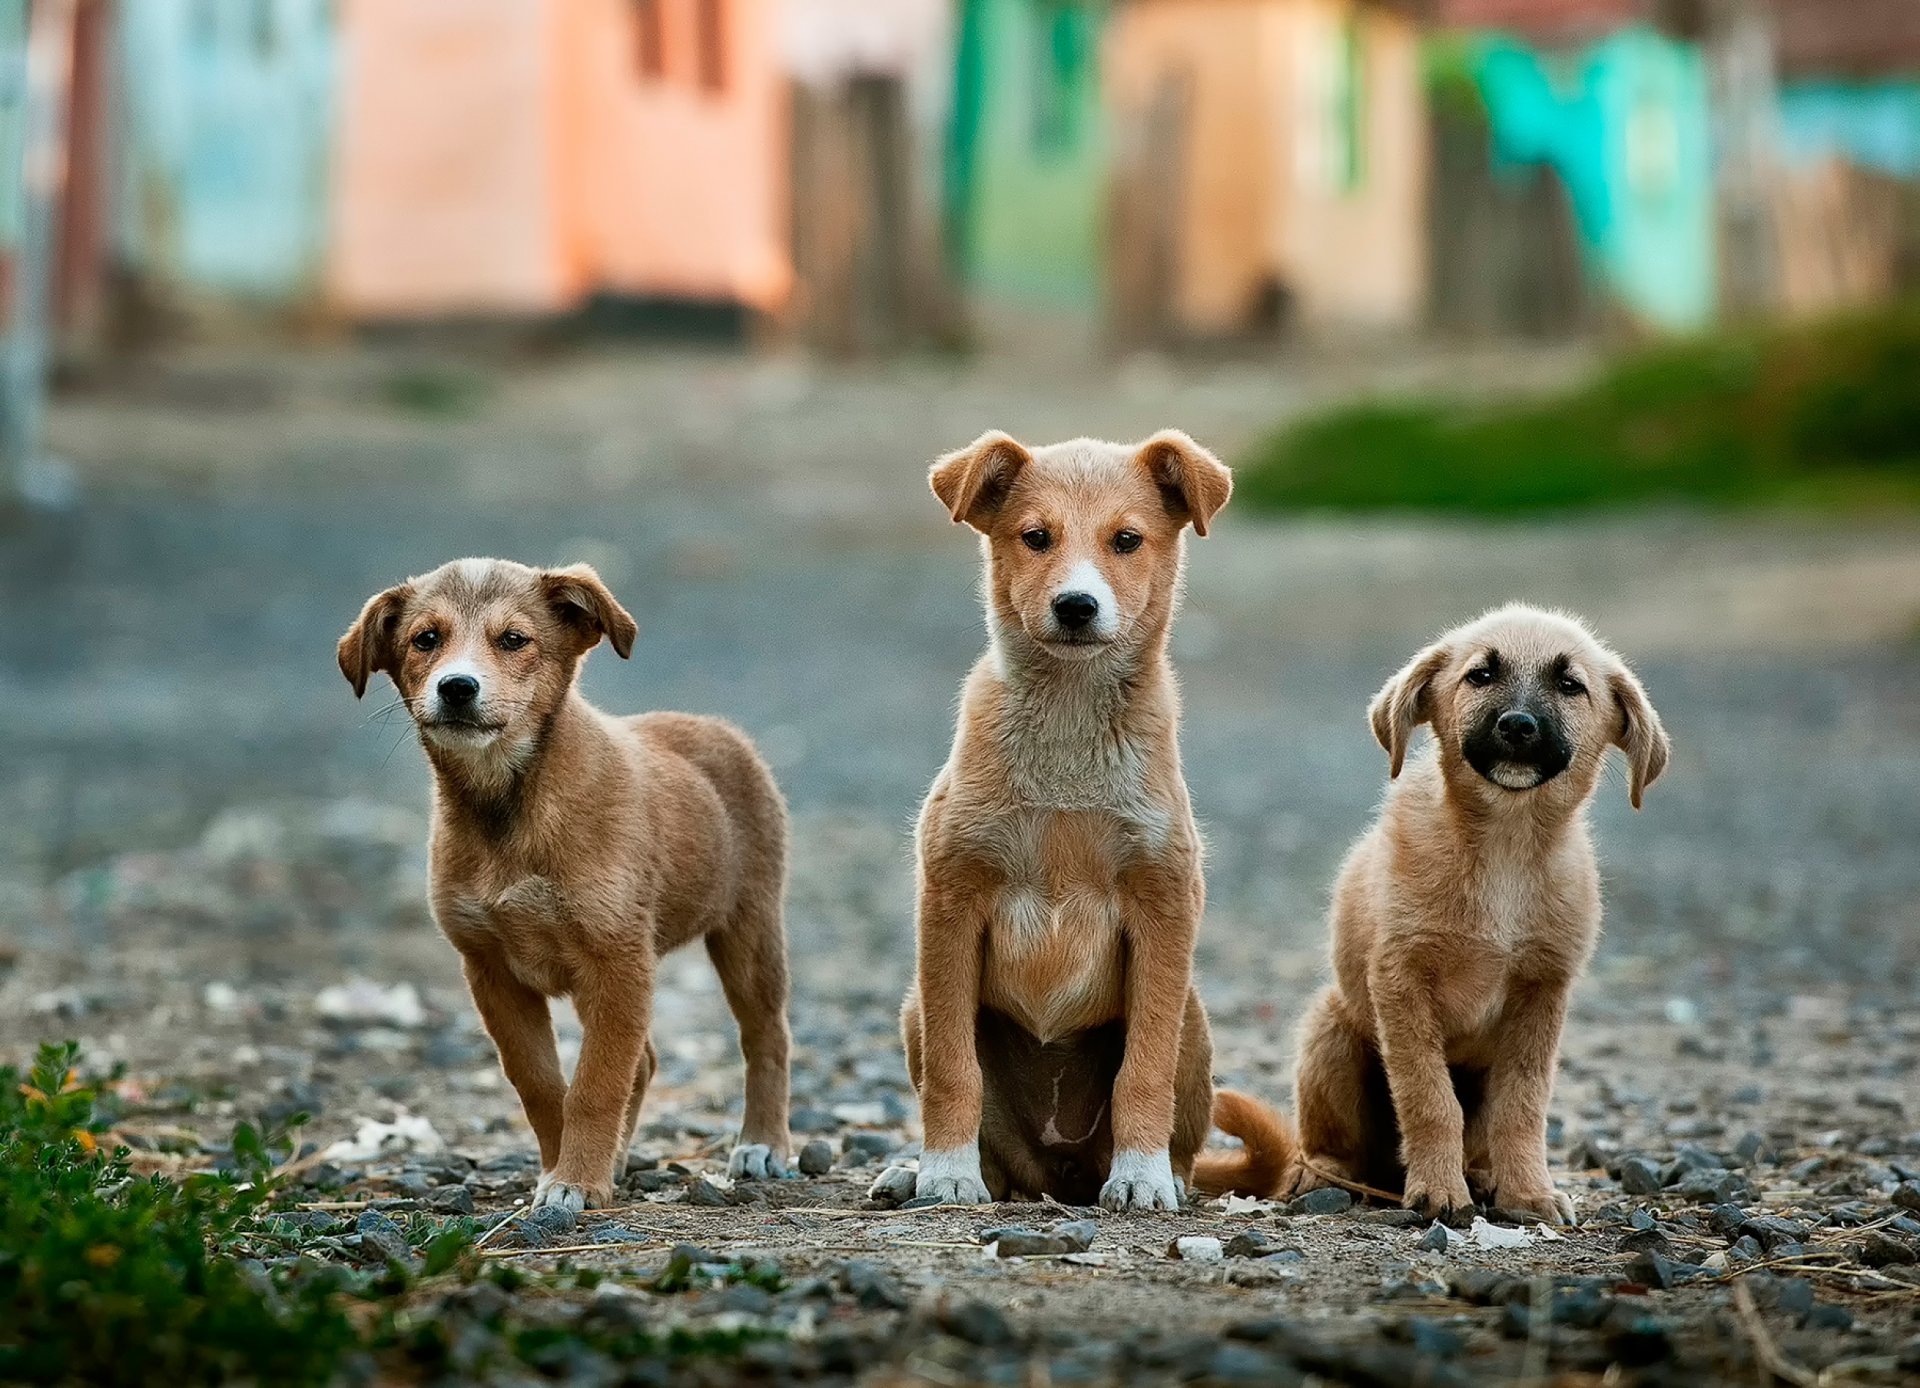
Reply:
x=572, y=848
x=1460, y=921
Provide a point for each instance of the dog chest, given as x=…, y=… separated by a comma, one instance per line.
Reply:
x=520, y=924
x=1053, y=949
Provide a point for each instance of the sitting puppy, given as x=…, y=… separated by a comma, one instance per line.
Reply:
x=1460, y=921
x=571, y=849
x=1053, y=1034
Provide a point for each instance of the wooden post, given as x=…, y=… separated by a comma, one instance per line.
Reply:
x=44, y=69
x=1739, y=44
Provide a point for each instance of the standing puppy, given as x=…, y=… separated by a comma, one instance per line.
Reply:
x=1460, y=921
x=1053, y=1033
x=572, y=848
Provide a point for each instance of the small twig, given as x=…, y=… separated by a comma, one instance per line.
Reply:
x=513, y=1217
x=1354, y=1187
x=565, y=1248
x=1764, y=1348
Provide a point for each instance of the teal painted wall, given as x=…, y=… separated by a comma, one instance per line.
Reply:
x=1026, y=188
x=1625, y=122
x=1874, y=124
x=229, y=114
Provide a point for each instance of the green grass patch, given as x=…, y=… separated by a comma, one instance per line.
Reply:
x=108, y=1277
x=1826, y=415
x=436, y=392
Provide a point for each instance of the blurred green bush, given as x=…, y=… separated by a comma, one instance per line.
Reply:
x=1823, y=415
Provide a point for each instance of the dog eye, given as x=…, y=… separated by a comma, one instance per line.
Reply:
x=426, y=640
x=1037, y=539
x=1127, y=541
x=1480, y=676
x=512, y=640
x=1570, y=686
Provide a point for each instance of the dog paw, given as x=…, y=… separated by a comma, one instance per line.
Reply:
x=894, y=1186
x=1140, y=1181
x=1437, y=1197
x=570, y=1197
x=1552, y=1205
x=952, y=1176
x=756, y=1161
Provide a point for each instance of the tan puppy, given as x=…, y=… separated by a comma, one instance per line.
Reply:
x=572, y=848
x=1460, y=921
x=1053, y=1034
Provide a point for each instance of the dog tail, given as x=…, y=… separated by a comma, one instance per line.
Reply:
x=1268, y=1148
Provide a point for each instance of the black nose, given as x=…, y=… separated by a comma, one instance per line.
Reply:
x=1518, y=729
x=457, y=691
x=1075, y=610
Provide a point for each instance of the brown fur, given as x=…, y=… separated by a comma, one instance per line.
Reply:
x=1460, y=921
x=1054, y=1021
x=572, y=848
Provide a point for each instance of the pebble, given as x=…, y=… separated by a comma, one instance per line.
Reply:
x=1640, y=1176
x=872, y=1285
x=1907, y=1195
x=1197, y=1248
x=545, y=1223
x=1771, y=1231
x=707, y=1195
x=455, y=1200
x=1250, y=1243
x=381, y=1236
x=1879, y=1251
x=976, y=1322
x=1324, y=1201
x=1440, y=1238
x=816, y=1158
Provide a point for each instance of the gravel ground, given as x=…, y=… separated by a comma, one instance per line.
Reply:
x=205, y=834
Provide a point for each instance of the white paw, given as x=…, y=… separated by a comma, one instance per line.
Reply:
x=552, y=1192
x=755, y=1161
x=952, y=1176
x=1140, y=1181
x=894, y=1186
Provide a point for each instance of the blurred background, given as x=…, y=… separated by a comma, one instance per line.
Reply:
x=1601, y=303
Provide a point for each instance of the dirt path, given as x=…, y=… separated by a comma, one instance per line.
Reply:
x=203, y=831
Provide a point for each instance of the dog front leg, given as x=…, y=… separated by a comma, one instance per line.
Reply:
x=1432, y=1127
x=1519, y=1088
x=616, y=1012
x=950, y=937
x=517, y=1019
x=1159, y=978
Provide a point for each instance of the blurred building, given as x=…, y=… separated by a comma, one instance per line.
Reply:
x=518, y=156
x=1268, y=167
x=1620, y=112
x=869, y=86
x=1027, y=152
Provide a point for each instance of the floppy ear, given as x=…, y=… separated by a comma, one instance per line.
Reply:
x=1194, y=482
x=584, y=603
x=369, y=645
x=971, y=482
x=1640, y=734
x=1403, y=704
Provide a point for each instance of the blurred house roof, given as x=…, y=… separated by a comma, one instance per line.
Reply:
x=1848, y=38
x=1547, y=21
x=1839, y=38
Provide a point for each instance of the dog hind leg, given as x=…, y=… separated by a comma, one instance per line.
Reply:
x=750, y=955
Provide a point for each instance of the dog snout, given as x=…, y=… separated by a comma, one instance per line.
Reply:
x=1518, y=729
x=1075, y=611
x=458, y=691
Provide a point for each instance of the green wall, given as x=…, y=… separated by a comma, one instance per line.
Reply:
x=1026, y=169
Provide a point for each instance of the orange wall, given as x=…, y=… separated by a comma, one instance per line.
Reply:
x=444, y=198
x=508, y=156
x=676, y=190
